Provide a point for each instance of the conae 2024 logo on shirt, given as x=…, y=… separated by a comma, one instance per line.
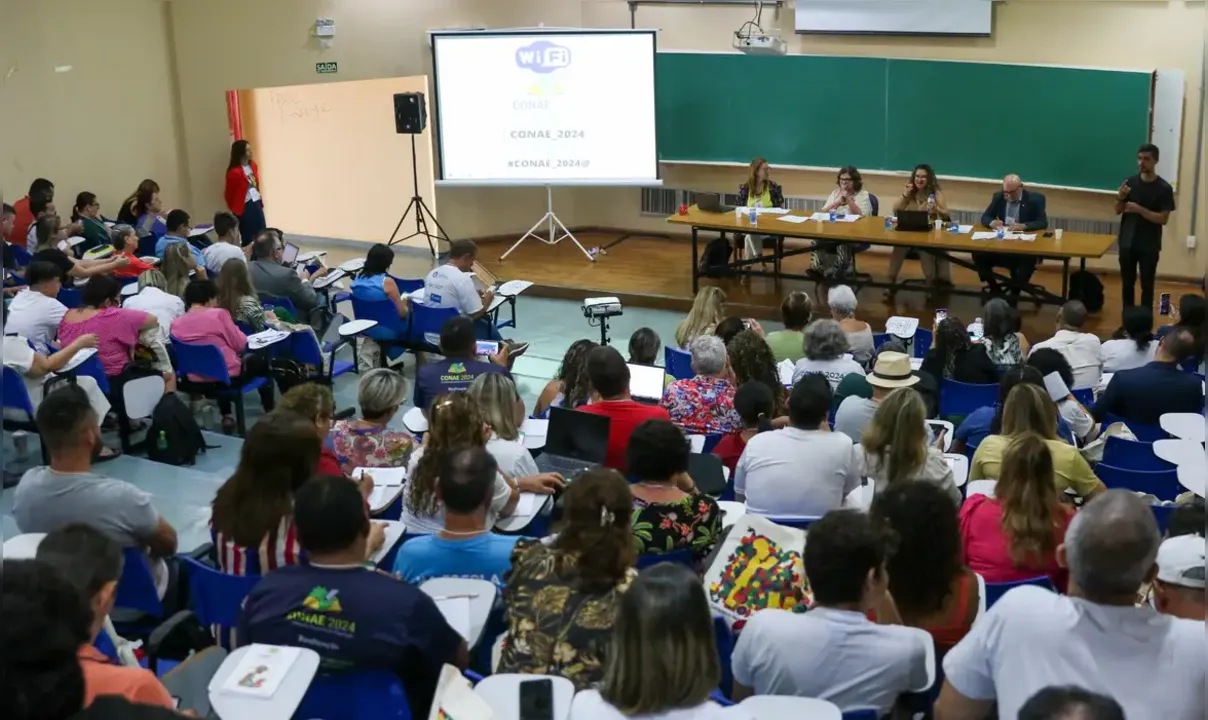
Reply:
x=543, y=57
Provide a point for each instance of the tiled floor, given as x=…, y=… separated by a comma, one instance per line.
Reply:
x=183, y=495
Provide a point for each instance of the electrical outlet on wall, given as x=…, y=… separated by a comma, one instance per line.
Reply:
x=1191, y=241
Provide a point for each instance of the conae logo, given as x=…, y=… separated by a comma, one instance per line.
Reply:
x=543, y=57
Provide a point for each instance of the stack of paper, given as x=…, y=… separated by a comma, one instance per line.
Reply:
x=746, y=210
x=793, y=218
x=265, y=338
x=985, y=236
x=261, y=670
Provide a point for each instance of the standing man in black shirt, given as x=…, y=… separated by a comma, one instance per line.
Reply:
x=1144, y=202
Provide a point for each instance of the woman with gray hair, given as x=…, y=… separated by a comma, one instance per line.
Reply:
x=704, y=403
x=154, y=298
x=125, y=243
x=368, y=442
x=842, y=302
x=826, y=353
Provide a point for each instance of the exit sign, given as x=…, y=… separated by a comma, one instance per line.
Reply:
x=326, y=68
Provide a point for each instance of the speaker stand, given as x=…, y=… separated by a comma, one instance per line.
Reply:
x=551, y=221
x=423, y=214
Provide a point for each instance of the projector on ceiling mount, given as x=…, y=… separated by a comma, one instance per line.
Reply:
x=759, y=43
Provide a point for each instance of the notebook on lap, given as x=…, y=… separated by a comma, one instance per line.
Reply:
x=576, y=442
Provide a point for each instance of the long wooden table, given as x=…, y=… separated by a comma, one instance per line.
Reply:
x=872, y=230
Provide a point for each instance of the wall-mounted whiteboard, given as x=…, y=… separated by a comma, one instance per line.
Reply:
x=904, y=17
x=545, y=107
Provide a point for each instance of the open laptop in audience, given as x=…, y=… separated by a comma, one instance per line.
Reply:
x=289, y=255
x=645, y=383
x=576, y=442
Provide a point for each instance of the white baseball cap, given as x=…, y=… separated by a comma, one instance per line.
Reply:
x=1181, y=561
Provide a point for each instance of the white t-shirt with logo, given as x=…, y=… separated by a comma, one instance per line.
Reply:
x=834, y=370
x=34, y=316
x=1152, y=664
x=588, y=705
x=448, y=287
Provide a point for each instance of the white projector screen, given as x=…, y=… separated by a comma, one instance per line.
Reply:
x=897, y=17
x=545, y=107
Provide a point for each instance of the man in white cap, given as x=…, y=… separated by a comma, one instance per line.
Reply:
x=1178, y=589
x=891, y=371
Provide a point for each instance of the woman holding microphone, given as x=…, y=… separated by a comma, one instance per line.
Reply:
x=922, y=193
x=242, y=191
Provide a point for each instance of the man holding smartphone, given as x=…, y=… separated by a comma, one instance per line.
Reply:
x=1144, y=203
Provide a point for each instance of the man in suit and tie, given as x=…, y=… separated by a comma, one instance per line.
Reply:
x=1015, y=209
x=272, y=278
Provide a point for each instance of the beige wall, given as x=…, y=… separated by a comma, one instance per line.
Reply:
x=103, y=125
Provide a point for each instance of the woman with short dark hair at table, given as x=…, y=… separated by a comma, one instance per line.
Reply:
x=922, y=193
x=759, y=191
x=848, y=198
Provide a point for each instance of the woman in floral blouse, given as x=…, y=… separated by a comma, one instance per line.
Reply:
x=704, y=403
x=669, y=513
x=562, y=593
x=368, y=442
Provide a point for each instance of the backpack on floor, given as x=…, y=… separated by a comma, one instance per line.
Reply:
x=174, y=437
x=716, y=258
x=1088, y=288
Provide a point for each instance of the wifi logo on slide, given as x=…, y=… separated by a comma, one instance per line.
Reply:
x=543, y=57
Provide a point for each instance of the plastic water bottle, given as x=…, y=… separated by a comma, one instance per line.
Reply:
x=162, y=441
x=888, y=224
x=754, y=215
x=832, y=215
x=1001, y=232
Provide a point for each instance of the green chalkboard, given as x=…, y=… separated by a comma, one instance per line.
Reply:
x=1059, y=126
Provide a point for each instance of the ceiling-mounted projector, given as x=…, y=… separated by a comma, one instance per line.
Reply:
x=759, y=43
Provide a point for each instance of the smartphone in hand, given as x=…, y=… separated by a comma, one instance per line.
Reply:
x=1164, y=304
x=486, y=348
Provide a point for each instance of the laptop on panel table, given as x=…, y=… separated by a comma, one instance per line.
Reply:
x=576, y=442
x=914, y=221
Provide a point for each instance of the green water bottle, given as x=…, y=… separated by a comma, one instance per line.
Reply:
x=161, y=442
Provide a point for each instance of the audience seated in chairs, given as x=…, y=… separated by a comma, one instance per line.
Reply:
x=751, y=359
x=986, y=421
x=503, y=411
x=1187, y=518
x=452, y=286
x=315, y=403
x=954, y=357
x=1178, y=588
x=570, y=386
x=1143, y=395
x=825, y=346
x=125, y=245
x=271, y=277
x=1133, y=345
x=930, y=586
x=1153, y=665
x=455, y=421
x=1080, y=349
x=369, y=441
x=154, y=299
x=92, y=564
x=207, y=324
x=238, y=297
x=147, y=209
x=803, y=470
x=1046, y=360
x=1068, y=703
x=41, y=676
x=753, y=403
x=129, y=211
x=86, y=214
x=40, y=190
x=663, y=661
x=373, y=283
x=460, y=365
x=68, y=491
x=704, y=403
x=1028, y=409
x=392, y=624
x=466, y=547
x=896, y=449
x=180, y=228
x=842, y=302
x=729, y=328
x=35, y=312
x=858, y=385
x=1191, y=314
x=891, y=371
x=1004, y=344
x=180, y=268
x=252, y=518
x=562, y=594
x=645, y=346
x=669, y=513
x=228, y=246
x=119, y=332
x=708, y=309
x=49, y=232
x=1013, y=535
x=609, y=378
x=795, y=311
x=834, y=652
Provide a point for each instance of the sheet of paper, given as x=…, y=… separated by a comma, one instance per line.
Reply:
x=820, y=217
x=916, y=363
x=985, y=236
x=964, y=229
x=903, y=327
x=847, y=218
x=417, y=295
x=793, y=218
x=535, y=426
x=1026, y=237
x=1056, y=386
x=262, y=669
x=381, y=496
x=457, y=613
x=265, y=338
x=785, y=369
x=383, y=477
x=511, y=288
x=746, y=210
x=200, y=230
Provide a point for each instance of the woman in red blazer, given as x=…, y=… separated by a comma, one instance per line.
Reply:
x=242, y=191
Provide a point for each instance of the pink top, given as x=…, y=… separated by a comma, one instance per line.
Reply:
x=987, y=551
x=212, y=326
x=116, y=330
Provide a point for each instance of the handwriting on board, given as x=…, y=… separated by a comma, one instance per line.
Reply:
x=291, y=107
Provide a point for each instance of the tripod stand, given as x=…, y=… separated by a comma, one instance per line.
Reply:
x=423, y=214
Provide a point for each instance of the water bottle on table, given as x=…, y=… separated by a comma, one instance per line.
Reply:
x=754, y=217
x=832, y=215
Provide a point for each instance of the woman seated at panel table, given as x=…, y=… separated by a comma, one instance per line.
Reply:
x=922, y=193
x=848, y=198
x=760, y=192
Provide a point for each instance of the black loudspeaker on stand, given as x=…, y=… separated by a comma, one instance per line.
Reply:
x=411, y=118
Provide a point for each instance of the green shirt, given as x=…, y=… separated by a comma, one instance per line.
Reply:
x=786, y=345
x=764, y=199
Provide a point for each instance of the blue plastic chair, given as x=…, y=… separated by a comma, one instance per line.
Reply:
x=207, y=361
x=13, y=394
x=284, y=303
x=1161, y=515
x=21, y=256
x=304, y=348
x=679, y=556
x=677, y=363
x=216, y=596
x=725, y=649
x=863, y=714
x=958, y=398
x=72, y=297
x=358, y=695
x=136, y=587
x=426, y=323
x=879, y=339
x=1163, y=484
x=146, y=246
x=921, y=343
x=1085, y=396
x=1132, y=455
x=406, y=286
x=1144, y=433
x=994, y=591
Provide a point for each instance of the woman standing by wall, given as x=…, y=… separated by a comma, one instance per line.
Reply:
x=242, y=191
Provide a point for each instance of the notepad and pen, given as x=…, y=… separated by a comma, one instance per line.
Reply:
x=261, y=670
x=387, y=484
x=263, y=339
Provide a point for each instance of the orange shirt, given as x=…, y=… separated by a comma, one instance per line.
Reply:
x=104, y=677
x=21, y=222
x=134, y=269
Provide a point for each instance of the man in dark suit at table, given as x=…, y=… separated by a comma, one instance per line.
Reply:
x=272, y=278
x=1015, y=209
